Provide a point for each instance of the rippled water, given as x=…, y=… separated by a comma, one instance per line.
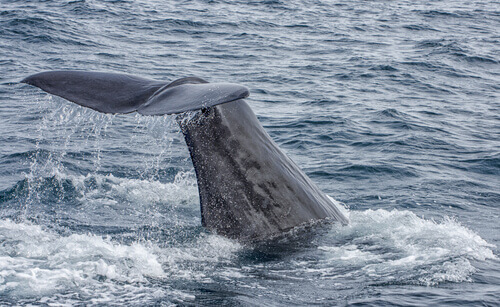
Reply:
x=392, y=108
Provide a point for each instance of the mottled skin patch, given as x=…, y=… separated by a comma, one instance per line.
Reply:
x=249, y=189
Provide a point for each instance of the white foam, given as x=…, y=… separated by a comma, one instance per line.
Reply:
x=400, y=245
x=137, y=191
x=36, y=263
x=41, y=259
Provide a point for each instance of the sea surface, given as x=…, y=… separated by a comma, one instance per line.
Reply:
x=391, y=107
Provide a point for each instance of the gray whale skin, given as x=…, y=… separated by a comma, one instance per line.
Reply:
x=249, y=189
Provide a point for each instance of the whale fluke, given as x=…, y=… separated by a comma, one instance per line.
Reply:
x=121, y=93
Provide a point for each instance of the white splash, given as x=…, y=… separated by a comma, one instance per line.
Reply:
x=401, y=247
x=38, y=264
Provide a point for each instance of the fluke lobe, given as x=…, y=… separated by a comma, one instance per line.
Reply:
x=249, y=189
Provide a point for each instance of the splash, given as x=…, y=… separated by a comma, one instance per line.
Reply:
x=400, y=247
x=37, y=264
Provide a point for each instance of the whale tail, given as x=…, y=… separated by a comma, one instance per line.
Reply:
x=121, y=93
x=249, y=189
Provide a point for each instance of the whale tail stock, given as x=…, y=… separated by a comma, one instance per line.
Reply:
x=121, y=93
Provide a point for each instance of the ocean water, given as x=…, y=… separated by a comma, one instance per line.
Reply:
x=391, y=107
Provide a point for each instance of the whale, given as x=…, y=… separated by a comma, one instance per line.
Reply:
x=249, y=189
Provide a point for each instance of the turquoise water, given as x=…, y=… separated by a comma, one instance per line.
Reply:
x=392, y=108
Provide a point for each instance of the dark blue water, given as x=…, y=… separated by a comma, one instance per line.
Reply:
x=391, y=107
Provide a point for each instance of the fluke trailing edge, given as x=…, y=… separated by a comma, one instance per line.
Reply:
x=249, y=189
